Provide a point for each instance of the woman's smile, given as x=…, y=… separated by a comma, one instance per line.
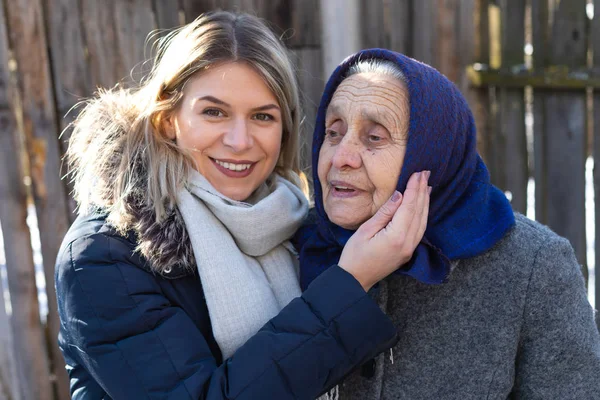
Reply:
x=233, y=168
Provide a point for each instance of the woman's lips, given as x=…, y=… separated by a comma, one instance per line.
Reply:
x=234, y=168
x=343, y=190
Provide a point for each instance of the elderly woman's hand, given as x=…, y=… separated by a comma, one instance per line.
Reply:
x=387, y=241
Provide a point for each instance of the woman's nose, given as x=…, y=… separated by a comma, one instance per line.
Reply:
x=238, y=137
x=347, y=154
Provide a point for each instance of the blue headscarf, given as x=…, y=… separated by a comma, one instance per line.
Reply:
x=467, y=215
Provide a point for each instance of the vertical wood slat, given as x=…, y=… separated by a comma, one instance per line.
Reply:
x=309, y=67
x=72, y=83
x=193, y=8
x=295, y=21
x=97, y=19
x=342, y=38
x=479, y=99
x=540, y=38
x=373, y=30
x=447, y=44
x=40, y=128
x=134, y=20
x=8, y=381
x=9, y=384
x=565, y=131
x=424, y=33
x=167, y=13
x=71, y=71
x=510, y=143
x=595, y=45
x=398, y=20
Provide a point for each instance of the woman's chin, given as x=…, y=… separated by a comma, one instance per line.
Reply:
x=345, y=222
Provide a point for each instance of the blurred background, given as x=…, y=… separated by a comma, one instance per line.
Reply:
x=530, y=70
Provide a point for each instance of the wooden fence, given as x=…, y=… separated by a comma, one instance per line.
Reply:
x=54, y=53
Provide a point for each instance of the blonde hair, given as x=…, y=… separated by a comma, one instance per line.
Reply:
x=119, y=154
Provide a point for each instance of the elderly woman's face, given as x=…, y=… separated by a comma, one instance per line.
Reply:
x=363, y=151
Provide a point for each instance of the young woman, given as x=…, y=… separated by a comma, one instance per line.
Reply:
x=177, y=280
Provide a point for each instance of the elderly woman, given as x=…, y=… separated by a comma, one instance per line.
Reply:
x=491, y=305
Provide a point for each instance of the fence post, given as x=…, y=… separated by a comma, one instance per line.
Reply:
x=479, y=98
x=340, y=30
x=595, y=45
x=509, y=144
x=41, y=130
x=71, y=71
x=563, y=119
x=540, y=38
x=33, y=379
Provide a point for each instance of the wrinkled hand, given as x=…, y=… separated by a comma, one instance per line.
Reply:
x=388, y=239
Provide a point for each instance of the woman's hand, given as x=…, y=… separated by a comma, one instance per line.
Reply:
x=388, y=239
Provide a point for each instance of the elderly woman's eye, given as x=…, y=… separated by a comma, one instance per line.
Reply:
x=375, y=138
x=331, y=134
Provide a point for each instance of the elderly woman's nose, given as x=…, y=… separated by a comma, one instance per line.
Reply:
x=237, y=136
x=347, y=154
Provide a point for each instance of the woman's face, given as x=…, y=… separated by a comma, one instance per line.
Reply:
x=365, y=141
x=231, y=122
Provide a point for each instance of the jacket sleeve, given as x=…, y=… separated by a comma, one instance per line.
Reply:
x=137, y=345
x=559, y=352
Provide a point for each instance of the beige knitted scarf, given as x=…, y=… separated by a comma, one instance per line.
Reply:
x=246, y=264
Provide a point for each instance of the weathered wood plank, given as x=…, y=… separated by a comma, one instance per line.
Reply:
x=295, y=21
x=134, y=20
x=374, y=32
x=8, y=380
x=424, y=33
x=100, y=33
x=71, y=71
x=510, y=144
x=595, y=45
x=342, y=38
x=447, y=39
x=193, y=8
x=565, y=131
x=40, y=128
x=398, y=21
x=9, y=385
x=309, y=67
x=167, y=13
x=479, y=99
x=72, y=83
x=540, y=38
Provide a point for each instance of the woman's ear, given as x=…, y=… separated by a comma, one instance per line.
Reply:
x=168, y=124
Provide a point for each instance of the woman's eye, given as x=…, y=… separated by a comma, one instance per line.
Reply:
x=331, y=134
x=264, y=117
x=213, y=112
x=375, y=138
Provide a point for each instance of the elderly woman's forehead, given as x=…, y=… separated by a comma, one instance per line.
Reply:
x=368, y=92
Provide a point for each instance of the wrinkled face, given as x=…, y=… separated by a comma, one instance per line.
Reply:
x=361, y=157
x=231, y=122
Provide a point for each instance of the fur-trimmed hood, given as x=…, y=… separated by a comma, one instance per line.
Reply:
x=100, y=160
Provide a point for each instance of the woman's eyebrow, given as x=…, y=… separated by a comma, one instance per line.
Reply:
x=378, y=117
x=213, y=99
x=332, y=109
x=266, y=107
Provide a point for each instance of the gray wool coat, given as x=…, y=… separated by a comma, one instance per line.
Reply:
x=513, y=323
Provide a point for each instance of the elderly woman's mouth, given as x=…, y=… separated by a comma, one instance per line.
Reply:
x=343, y=189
